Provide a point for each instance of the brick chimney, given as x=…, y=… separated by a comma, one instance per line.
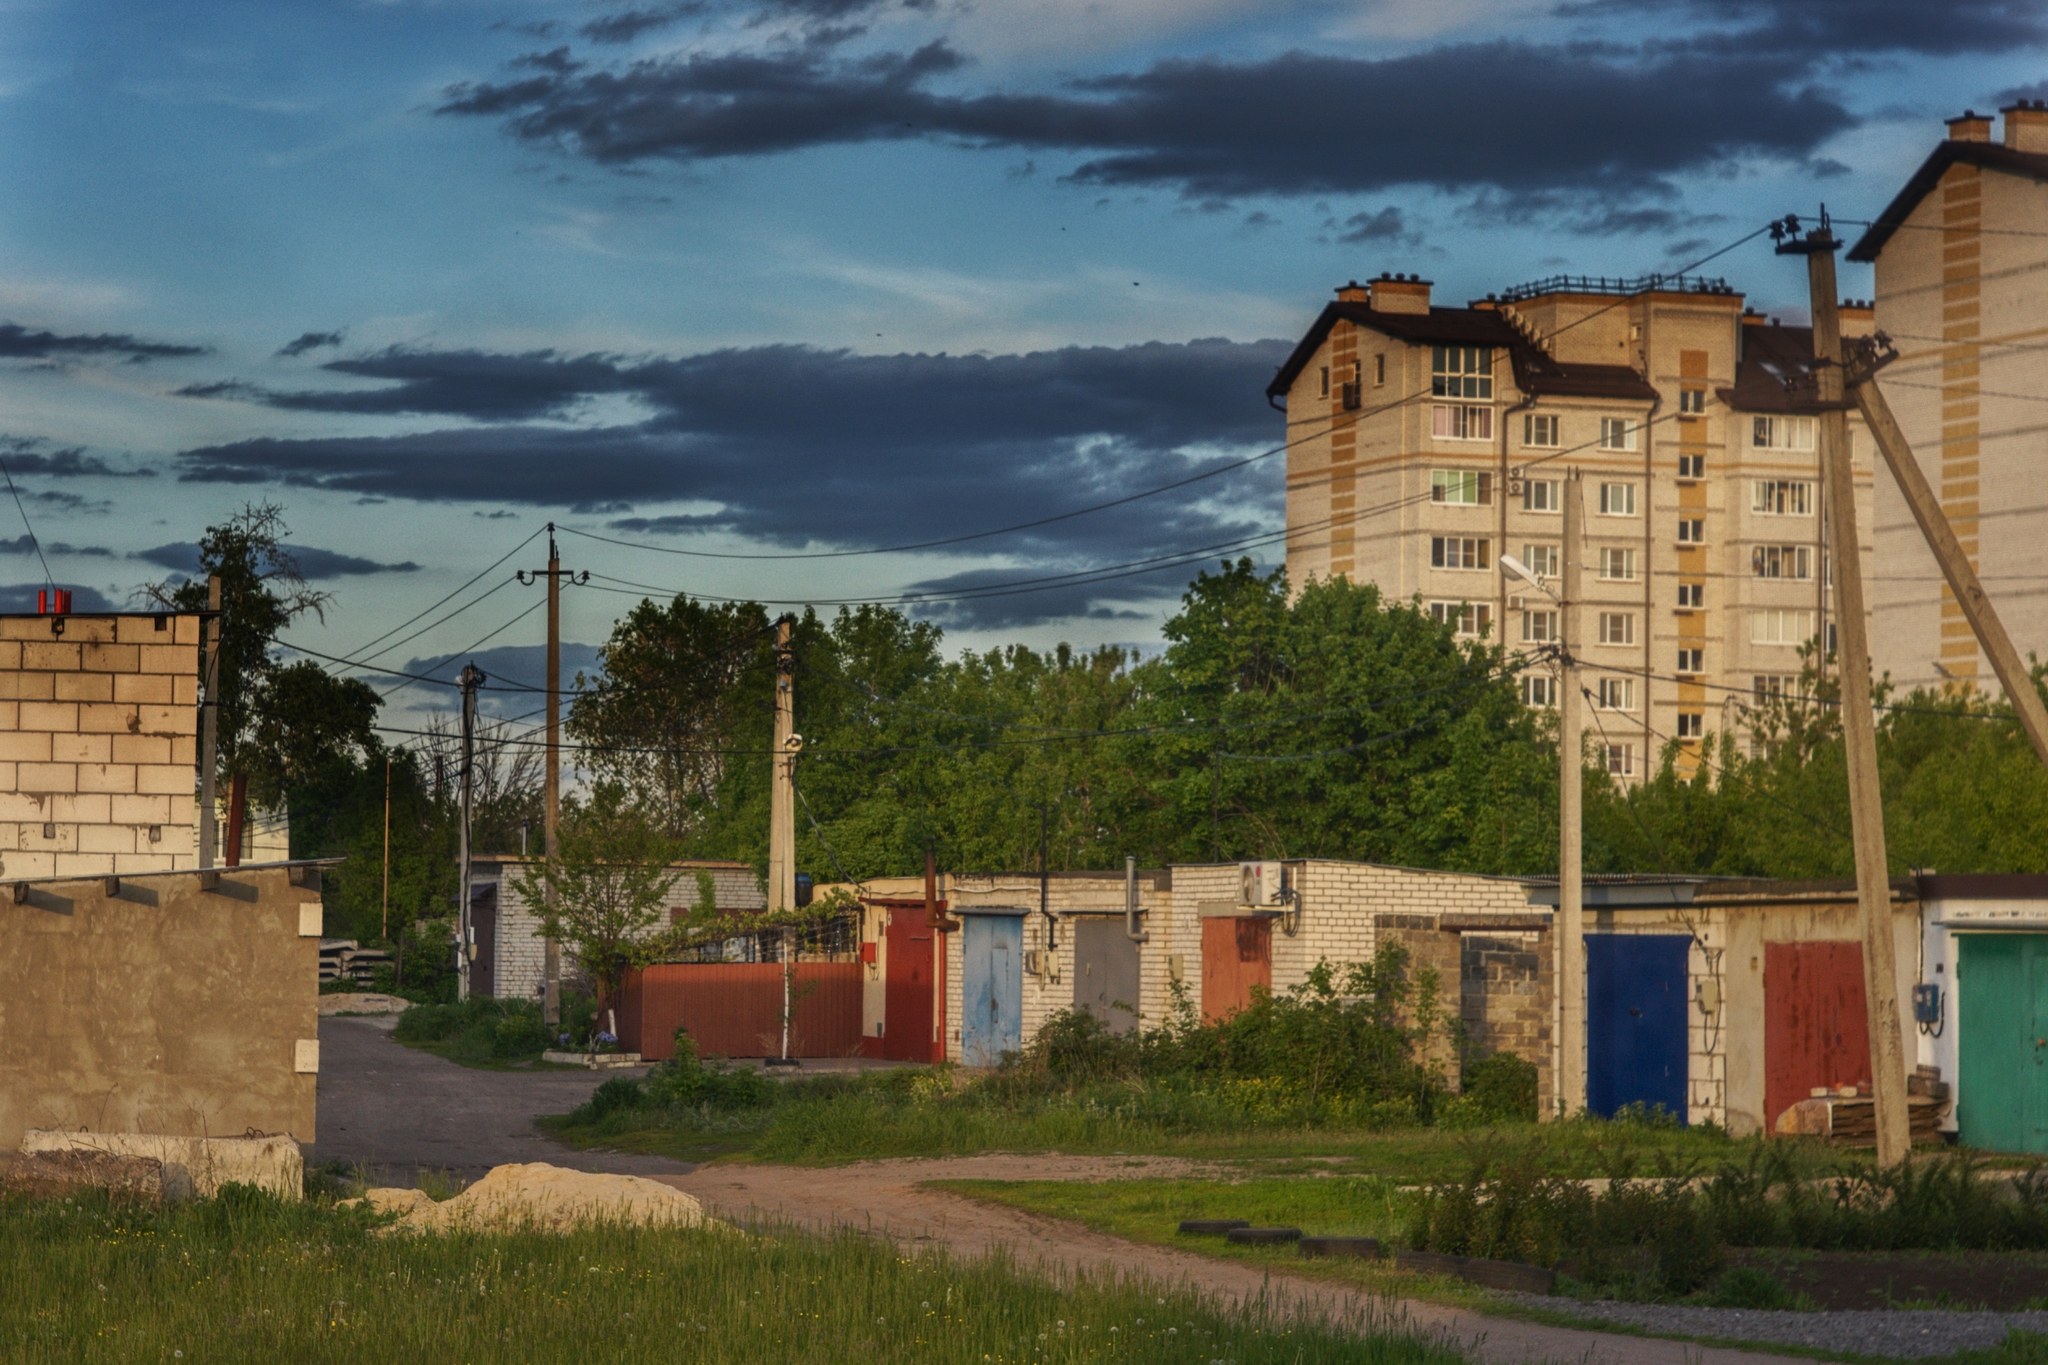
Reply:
x=1970, y=126
x=2026, y=125
x=1400, y=294
x=1354, y=292
x=1859, y=317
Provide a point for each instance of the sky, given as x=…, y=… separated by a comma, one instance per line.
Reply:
x=747, y=296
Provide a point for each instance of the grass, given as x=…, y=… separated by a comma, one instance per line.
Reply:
x=247, y=1278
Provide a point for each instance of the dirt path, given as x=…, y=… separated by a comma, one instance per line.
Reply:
x=885, y=1196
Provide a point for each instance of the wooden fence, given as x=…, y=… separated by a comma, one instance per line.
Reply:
x=734, y=1009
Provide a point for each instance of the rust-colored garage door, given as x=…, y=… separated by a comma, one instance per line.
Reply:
x=1815, y=1030
x=1237, y=954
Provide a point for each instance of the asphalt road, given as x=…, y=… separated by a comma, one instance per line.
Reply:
x=397, y=1110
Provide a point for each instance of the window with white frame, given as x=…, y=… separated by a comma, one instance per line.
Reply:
x=1540, y=560
x=1466, y=422
x=1461, y=372
x=1617, y=628
x=1617, y=565
x=1692, y=466
x=1461, y=487
x=1781, y=433
x=1621, y=760
x=1617, y=499
x=1467, y=618
x=1539, y=690
x=1781, y=498
x=1781, y=561
x=1539, y=627
x=1615, y=694
x=1769, y=687
x=1539, y=429
x=1691, y=724
x=1459, y=552
x=1617, y=433
x=1692, y=402
x=1692, y=660
x=1692, y=531
x=1541, y=495
x=1691, y=596
x=1775, y=626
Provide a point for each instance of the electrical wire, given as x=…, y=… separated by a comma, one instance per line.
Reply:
x=35, y=544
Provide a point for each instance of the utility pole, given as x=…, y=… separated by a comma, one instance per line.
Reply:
x=471, y=679
x=782, y=769
x=387, y=849
x=551, y=821
x=1570, y=928
x=209, y=726
x=1859, y=726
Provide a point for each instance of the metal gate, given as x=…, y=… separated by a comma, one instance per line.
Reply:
x=2001, y=1019
x=1635, y=1021
x=991, y=988
x=907, y=991
x=1106, y=973
x=1237, y=954
x=1816, y=1031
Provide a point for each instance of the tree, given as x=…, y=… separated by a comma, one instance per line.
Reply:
x=302, y=718
x=605, y=894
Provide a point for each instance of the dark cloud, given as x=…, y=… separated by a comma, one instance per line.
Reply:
x=19, y=598
x=183, y=558
x=999, y=607
x=309, y=341
x=26, y=455
x=1822, y=30
x=1385, y=226
x=23, y=545
x=626, y=25
x=19, y=343
x=484, y=386
x=1456, y=117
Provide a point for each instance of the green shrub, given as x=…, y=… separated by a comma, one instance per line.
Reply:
x=1748, y=1287
x=1502, y=1088
x=479, y=1029
x=683, y=1081
x=620, y=1092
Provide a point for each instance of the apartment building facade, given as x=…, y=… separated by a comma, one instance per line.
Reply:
x=1961, y=257
x=1423, y=441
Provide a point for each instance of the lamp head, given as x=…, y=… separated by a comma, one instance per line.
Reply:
x=1515, y=568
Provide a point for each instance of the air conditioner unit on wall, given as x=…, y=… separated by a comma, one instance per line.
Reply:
x=1261, y=886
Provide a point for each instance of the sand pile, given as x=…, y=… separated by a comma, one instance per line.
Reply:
x=537, y=1195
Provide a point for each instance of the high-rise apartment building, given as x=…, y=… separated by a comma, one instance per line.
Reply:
x=1962, y=290
x=1424, y=441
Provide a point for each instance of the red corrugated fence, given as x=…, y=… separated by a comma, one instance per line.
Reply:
x=734, y=1009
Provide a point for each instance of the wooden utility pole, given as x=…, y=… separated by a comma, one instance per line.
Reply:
x=782, y=769
x=2012, y=671
x=471, y=679
x=1570, y=928
x=1859, y=725
x=209, y=728
x=551, y=801
x=386, y=932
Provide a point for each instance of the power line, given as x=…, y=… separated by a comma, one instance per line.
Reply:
x=35, y=544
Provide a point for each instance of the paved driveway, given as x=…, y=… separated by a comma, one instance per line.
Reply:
x=397, y=1110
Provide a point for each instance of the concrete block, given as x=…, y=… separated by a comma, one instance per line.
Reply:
x=106, y=839
x=106, y=777
x=186, y=630
x=83, y=686
x=185, y=690
x=167, y=659
x=164, y=720
x=185, y=750
x=140, y=749
x=27, y=686
x=106, y=718
x=47, y=777
x=139, y=810
x=79, y=749
x=25, y=746
x=84, y=808
x=152, y=688
x=54, y=656
x=142, y=630
x=49, y=716
x=269, y=1163
x=115, y=658
x=84, y=865
x=163, y=779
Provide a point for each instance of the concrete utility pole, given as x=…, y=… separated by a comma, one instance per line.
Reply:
x=386, y=932
x=471, y=679
x=551, y=821
x=782, y=769
x=1859, y=726
x=209, y=727
x=1571, y=915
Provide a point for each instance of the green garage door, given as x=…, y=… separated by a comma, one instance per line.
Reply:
x=2002, y=1012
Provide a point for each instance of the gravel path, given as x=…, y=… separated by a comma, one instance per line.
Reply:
x=1901, y=1333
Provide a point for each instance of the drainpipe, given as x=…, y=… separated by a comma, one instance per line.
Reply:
x=1528, y=401
x=1131, y=929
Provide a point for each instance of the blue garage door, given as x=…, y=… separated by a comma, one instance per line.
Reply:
x=1635, y=1021
x=991, y=988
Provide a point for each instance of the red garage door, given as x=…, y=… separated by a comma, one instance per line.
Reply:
x=1815, y=1030
x=1237, y=954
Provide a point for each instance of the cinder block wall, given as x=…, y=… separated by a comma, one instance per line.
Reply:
x=161, y=1009
x=98, y=744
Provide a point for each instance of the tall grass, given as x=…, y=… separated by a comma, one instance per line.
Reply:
x=246, y=1278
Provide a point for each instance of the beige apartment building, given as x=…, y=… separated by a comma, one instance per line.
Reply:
x=1423, y=441
x=1962, y=290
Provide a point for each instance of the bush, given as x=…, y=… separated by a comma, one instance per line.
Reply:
x=684, y=1082
x=1502, y=1088
x=478, y=1029
x=1748, y=1287
x=620, y=1092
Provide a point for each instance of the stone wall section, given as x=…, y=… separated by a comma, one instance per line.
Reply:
x=99, y=719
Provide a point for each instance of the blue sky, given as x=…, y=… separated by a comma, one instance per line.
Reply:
x=783, y=277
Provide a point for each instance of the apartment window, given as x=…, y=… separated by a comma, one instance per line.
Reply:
x=1465, y=423
x=1459, y=552
x=1461, y=372
x=1539, y=627
x=1379, y=370
x=1781, y=498
x=1461, y=487
x=1467, y=618
x=1692, y=595
x=1621, y=760
x=1775, y=627
x=1617, y=499
x=1617, y=565
x=1781, y=433
x=1617, y=628
x=1541, y=495
x=1617, y=433
x=1326, y=381
x=1539, y=429
x=1692, y=531
x=1692, y=402
x=1539, y=691
x=1770, y=687
x=1616, y=694
x=1692, y=466
x=1781, y=561
x=1692, y=661
x=1691, y=725
x=1540, y=560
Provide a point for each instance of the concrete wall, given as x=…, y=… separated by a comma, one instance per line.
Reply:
x=98, y=725
x=163, y=1009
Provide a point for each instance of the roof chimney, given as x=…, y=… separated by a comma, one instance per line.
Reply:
x=2026, y=125
x=1400, y=294
x=1354, y=292
x=1971, y=126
